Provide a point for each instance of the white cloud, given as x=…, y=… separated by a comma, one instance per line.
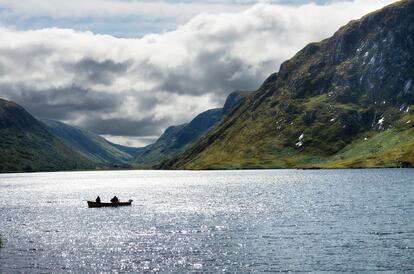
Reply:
x=103, y=8
x=146, y=84
x=131, y=141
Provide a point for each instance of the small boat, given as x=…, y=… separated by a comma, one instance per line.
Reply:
x=95, y=204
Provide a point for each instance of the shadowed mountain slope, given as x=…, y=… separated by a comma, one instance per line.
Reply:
x=26, y=145
x=91, y=145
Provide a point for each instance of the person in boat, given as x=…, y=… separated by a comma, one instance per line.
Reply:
x=114, y=200
x=98, y=200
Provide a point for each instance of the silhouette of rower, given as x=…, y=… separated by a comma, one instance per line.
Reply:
x=114, y=200
x=98, y=200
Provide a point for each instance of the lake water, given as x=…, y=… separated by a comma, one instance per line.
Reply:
x=210, y=222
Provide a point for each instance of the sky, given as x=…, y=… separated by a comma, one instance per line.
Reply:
x=128, y=69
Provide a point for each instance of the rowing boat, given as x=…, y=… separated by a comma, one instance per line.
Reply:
x=95, y=204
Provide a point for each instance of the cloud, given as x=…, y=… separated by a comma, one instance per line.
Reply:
x=111, y=8
x=138, y=87
x=131, y=141
x=123, y=126
x=97, y=72
x=121, y=18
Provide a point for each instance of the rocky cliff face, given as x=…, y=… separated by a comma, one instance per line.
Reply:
x=343, y=102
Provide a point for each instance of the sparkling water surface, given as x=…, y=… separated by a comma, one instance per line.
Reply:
x=209, y=222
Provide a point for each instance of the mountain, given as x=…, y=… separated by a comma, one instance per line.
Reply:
x=26, y=145
x=176, y=139
x=29, y=144
x=346, y=101
x=90, y=145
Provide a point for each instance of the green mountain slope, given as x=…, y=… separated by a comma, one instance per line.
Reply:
x=346, y=101
x=91, y=145
x=176, y=139
x=26, y=145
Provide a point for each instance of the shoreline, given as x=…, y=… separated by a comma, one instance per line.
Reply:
x=208, y=169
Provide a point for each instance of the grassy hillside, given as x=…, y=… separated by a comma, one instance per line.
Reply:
x=346, y=101
x=25, y=144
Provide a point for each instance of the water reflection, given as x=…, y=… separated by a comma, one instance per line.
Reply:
x=227, y=221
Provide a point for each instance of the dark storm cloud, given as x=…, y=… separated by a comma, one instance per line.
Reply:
x=125, y=127
x=221, y=73
x=104, y=72
x=62, y=103
x=216, y=72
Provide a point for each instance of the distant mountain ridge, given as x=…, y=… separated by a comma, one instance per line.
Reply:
x=176, y=139
x=92, y=146
x=346, y=101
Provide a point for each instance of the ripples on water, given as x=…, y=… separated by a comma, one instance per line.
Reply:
x=224, y=221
